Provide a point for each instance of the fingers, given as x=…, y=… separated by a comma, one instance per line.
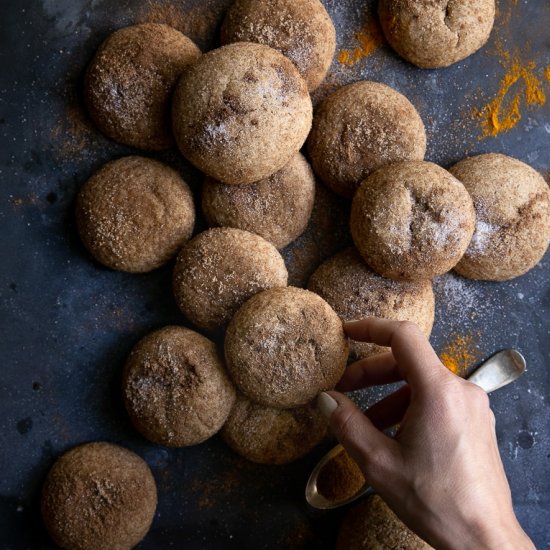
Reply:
x=390, y=411
x=371, y=371
x=371, y=449
x=415, y=358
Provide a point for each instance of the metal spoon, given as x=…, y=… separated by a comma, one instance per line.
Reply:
x=498, y=371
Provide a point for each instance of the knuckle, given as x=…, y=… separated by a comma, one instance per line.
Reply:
x=408, y=327
x=478, y=396
x=347, y=425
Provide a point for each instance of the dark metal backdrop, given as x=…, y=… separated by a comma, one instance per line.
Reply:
x=67, y=323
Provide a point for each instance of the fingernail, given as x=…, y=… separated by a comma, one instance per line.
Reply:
x=326, y=404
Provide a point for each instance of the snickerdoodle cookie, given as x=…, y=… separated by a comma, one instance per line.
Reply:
x=129, y=83
x=412, y=220
x=300, y=29
x=354, y=291
x=98, y=495
x=512, y=203
x=372, y=525
x=359, y=128
x=241, y=112
x=218, y=270
x=134, y=214
x=436, y=33
x=273, y=436
x=284, y=346
x=175, y=387
x=277, y=208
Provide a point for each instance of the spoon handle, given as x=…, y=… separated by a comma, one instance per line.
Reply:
x=498, y=371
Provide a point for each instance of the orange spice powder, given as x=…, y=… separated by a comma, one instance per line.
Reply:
x=460, y=353
x=520, y=85
x=519, y=88
x=368, y=39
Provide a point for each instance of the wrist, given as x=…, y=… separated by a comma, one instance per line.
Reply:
x=502, y=536
x=480, y=533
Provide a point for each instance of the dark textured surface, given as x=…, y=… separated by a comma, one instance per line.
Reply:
x=67, y=324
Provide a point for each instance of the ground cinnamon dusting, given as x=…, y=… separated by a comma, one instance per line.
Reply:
x=211, y=492
x=197, y=22
x=460, y=354
x=74, y=134
x=340, y=478
x=368, y=39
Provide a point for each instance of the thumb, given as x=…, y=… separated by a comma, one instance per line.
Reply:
x=372, y=450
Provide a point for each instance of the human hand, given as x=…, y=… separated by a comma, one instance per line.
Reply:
x=442, y=473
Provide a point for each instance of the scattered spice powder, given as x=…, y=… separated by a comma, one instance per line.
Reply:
x=210, y=492
x=340, y=478
x=460, y=354
x=519, y=86
x=369, y=39
x=197, y=22
x=74, y=135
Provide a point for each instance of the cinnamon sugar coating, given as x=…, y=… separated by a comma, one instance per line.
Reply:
x=300, y=29
x=512, y=203
x=218, y=270
x=354, y=291
x=412, y=220
x=284, y=346
x=134, y=214
x=129, y=83
x=371, y=525
x=241, y=112
x=175, y=387
x=273, y=436
x=359, y=128
x=277, y=208
x=98, y=495
x=436, y=33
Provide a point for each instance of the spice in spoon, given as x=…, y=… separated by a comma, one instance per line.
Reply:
x=340, y=478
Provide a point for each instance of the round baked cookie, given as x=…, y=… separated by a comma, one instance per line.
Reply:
x=371, y=525
x=98, y=495
x=241, y=112
x=412, y=220
x=175, y=387
x=437, y=33
x=218, y=270
x=277, y=208
x=134, y=214
x=284, y=346
x=512, y=203
x=354, y=291
x=273, y=436
x=359, y=128
x=128, y=84
x=302, y=30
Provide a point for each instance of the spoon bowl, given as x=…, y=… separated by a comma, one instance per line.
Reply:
x=496, y=372
x=315, y=498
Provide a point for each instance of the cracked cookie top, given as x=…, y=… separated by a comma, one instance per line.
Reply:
x=512, y=203
x=436, y=33
x=412, y=220
x=241, y=112
x=284, y=346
